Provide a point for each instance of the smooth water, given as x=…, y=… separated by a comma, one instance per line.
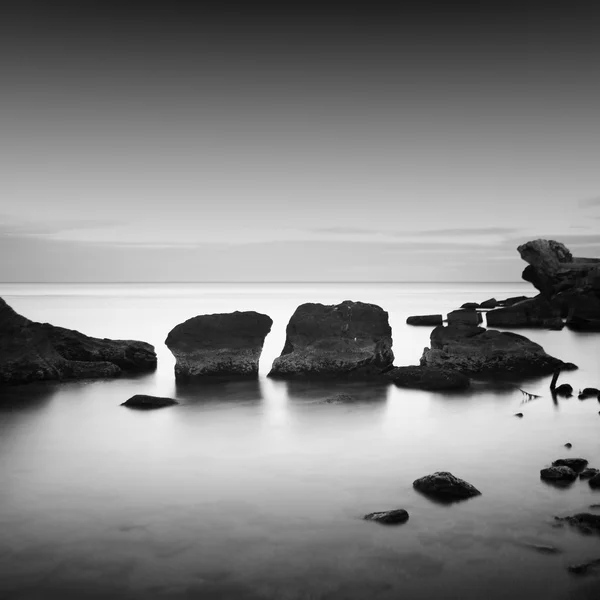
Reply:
x=256, y=490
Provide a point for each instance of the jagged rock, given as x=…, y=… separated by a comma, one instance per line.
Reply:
x=424, y=378
x=533, y=312
x=491, y=303
x=445, y=486
x=546, y=259
x=148, y=402
x=466, y=317
x=558, y=474
x=577, y=464
x=351, y=339
x=585, y=522
x=477, y=351
x=588, y=473
x=226, y=345
x=31, y=351
x=470, y=305
x=388, y=517
x=431, y=320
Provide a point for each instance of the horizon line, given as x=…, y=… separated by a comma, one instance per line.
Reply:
x=237, y=282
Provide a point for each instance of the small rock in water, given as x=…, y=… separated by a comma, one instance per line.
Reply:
x=445, y=486
x=586, y=522
x=583, y=568
x=558, y=474
x=518, y=414
x=568, y=445
x=588, y=473
x=432, y=320
x=577, y=464
x=388, y=517
x=148, y=402
x=564, y=389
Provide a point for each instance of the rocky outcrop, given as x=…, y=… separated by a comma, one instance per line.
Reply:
x=475, y=351
x=226, y=345
x=31, y=351
x=388, y=517
x=351, y=339
x=145, y=402
x=464, y=316
x=445, y=486
x=425, y=378
x=430, y=320
x=534, y=312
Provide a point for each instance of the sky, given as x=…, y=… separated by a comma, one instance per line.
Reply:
x=331, y=141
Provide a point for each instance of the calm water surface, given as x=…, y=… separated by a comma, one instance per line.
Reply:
x=255, y=490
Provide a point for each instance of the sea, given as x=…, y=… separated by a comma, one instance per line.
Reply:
x=256, y=490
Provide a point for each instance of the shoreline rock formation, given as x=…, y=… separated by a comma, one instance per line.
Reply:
x=31, y=351
x=348, y=340
x=225, y=345
x=473, y=351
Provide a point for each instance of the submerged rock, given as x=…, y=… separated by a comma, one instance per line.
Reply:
x=476, y=351
x=586, y=522
x=583, y=568
x=588, y=473
x=388, y=517
x=577, y=464
x=445, y=486
x=226, y=345
x=425, y=378
x=148, y=402
x=351, y=339
x=31, y=351
x=466, y=317
x=558, y=473
x=431, y=320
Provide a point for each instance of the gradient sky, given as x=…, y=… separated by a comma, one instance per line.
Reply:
x=218, y=141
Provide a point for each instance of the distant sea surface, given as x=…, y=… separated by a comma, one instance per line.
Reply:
x=256, y=490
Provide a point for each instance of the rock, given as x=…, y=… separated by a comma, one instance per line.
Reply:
x=588, y=473
x=445, y=486
x=148, y=402
x=226, y=345
x=589, y=393
x=520, y=415
x=583, y=310
x=594, y=482
x=512, y=300
x=467, y=317
x=470, y=305
x=491, y=303
x=547, y=259
x=431, y=320
x=583, y=568
x=594, y=505
x=558, y=474
x=533, y=312
x=585, y=522
x=564, y=389
x=568, y=445
x=577, y=464
x=476, y=351
x=31, y=351
x=543, y=549
x=424, y=378
x=349, y=340
x=388, y=517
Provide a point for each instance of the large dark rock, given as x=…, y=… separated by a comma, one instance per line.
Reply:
x=477, y=351
x=534, y=312
x=225, y=345
x=464, y=316
x=564, y=389
x=577, y=464
x=445, y=486
x=558, y=474
x=425, y=378
x=351, y=339
x=145, y=402
x=431, y=320
x=31, y=351
x=388, y=517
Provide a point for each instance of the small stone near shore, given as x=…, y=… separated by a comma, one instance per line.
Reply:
x=388, y=517
x=431, y=320
x=148, y=402
x=445, y=486
x=577, y=464
x=558, y=474
x=588, y=473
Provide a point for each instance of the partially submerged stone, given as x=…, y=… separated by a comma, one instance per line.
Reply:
x=464, y=317
x=388, y=517
x=577, y=464
x=588, y=473
x=586, y=522
x=442, y=485
x=425, y=320
x=146, y=402
x=558, y=473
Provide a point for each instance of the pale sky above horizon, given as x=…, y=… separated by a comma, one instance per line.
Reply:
x=155, y=142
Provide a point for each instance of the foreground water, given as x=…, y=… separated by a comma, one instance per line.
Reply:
x=255, y=490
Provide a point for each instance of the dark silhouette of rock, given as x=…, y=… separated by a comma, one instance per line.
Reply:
x=424, y=378
x=586, y=522
x=466, y=317
x=226, y=345
x=588, y=473
x=558, y=473
x=470, y=305
x=491, y=303
x=512, y=300
x=533, y=312
x=348, y=340
x=583, y=568
x=594, y=482
x=568, y=445
x=148, y=402
x=388, y=517
x=31, y=351
x=477, y=351
x=582, y=308
x=589, y=392
x=445, y=486
x=577, y=464
x=431, y=320
x=520, y=415
x=564, y=389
